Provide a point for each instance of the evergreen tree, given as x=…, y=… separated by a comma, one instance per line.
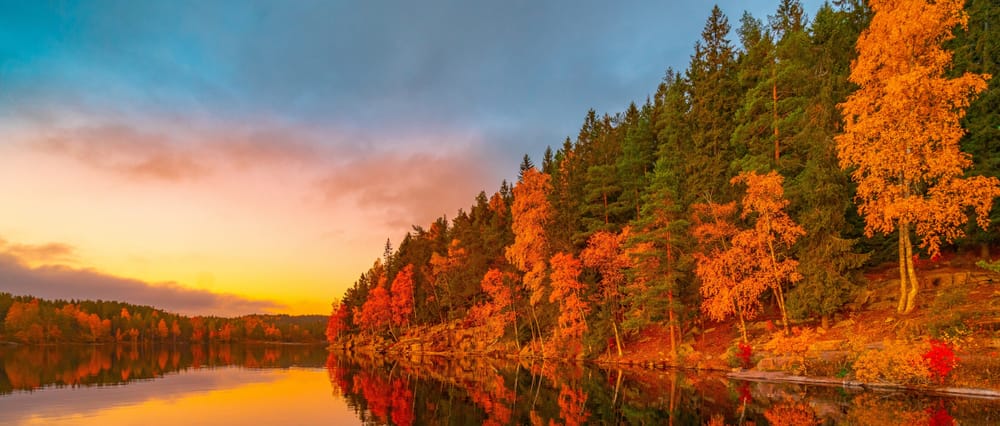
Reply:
x=713, y=95
x=820, y=193
x=655, y=246
x=635, y=166
x=526, y=164
x=977, y=50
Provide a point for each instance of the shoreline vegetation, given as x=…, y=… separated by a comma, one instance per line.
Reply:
x=808, y=199
x=825, y=359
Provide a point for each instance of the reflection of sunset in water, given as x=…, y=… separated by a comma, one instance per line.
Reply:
x=287, y=384
x=233, y=396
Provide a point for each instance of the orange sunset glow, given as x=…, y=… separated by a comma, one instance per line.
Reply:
x=275, y=226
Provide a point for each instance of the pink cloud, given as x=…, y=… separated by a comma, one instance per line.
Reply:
x=416, y=182
x=126, y=151
x=257, y=148
x=407, y=189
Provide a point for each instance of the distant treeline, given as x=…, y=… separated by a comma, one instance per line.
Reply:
x=27, y=319
x=635, y=221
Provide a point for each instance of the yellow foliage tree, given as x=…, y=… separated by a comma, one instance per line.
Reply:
x=901, y=132
x=566, y=290
x=605, y=252
x=720, y=266
x=530, y=213
x=765, y=247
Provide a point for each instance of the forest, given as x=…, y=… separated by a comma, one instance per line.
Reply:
x=27, y=319
x=793, y=153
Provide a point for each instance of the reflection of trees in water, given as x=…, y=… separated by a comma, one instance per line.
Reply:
x=29, y=367
x=494, y=392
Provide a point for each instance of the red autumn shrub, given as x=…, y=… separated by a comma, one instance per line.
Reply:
x=744, y=352
x=940, y=359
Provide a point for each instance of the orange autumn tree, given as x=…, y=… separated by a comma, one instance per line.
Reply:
x=566, y=291
x=443, y=272
x=720, y=266
x=531, y=212
x=161, y=329
x=901, y=132
x=401, y=297
x=337, y=322
x=605, y=252
x=376, y=312
x=497, y=312
x=766, y=246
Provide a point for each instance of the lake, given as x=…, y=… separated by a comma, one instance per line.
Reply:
x=288, y=384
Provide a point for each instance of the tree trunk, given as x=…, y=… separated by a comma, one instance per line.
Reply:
x=607, y=215
x=618, y=340
x=911, y=298
x=779, y=295
x=673, y=324
x=774, y=110
x=901, y=306
x=743, y=325
x=538, y=327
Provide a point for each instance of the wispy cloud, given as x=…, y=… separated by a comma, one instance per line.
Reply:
x=65, y=282
x=126, y=151
x=408, y=180
x=51, y=253
x=404, y=189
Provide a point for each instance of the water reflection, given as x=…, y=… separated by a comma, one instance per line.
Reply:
x=288, y=385
x=491, y=392
x=94, y=385
x=27, y=368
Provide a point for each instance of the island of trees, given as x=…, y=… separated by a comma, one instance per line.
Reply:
x=764, y=179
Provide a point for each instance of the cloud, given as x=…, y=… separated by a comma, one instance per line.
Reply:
x=64, y=282
x=401, y=178
x=126, y=151
x=403, y=189
x=178, y=155
x=266, y=146
x=50, y=253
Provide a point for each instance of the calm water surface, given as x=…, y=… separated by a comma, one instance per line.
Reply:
x=109, y=385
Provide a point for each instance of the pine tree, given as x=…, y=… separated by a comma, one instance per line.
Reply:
x=635, y=166
x=713, y=95
x=820, y=193
x=655, y=245
x=977, y=50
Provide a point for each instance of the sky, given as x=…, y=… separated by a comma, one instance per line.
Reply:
x=235, y=157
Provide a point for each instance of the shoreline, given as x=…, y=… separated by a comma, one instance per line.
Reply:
x=782, y=377
x=744, y=375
